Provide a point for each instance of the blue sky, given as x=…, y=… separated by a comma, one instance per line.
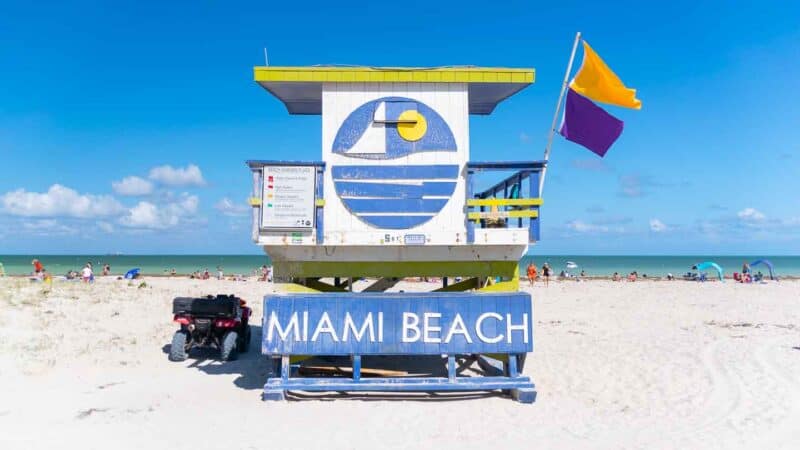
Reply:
x=95, y=93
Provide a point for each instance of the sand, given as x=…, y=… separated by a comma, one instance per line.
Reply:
x=617, y=365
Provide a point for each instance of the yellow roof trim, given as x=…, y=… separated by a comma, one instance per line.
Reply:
x=335, y=74
x=300, y=88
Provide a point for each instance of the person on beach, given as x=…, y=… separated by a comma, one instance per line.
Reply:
x=632, y=277
x=531, y=273
x=106, y=270
x=220, y=273
x=546, y=271
x=86, y=273
x=745, y=268
x=616, y=277
x=264, y=273
x=38, y=268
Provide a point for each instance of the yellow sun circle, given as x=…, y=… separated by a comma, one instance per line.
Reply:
x=412, y=125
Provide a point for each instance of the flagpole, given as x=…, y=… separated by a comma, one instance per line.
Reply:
x=558, y=109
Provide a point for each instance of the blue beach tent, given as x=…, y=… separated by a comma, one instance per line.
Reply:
x=131, y=273
x=767, y=263
x=707, y=264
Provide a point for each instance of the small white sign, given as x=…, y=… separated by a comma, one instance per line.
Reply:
x=288, y=197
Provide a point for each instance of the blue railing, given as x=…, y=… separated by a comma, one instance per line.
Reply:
x=507, y=196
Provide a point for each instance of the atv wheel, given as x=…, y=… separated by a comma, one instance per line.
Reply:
x=177, y=351
x=228, y=351
x=244, y=341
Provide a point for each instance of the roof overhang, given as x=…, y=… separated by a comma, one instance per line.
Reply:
x=300, y=88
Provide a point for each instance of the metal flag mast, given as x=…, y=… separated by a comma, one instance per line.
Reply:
x=558, y=109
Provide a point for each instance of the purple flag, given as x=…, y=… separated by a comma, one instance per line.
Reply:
x=588, y=124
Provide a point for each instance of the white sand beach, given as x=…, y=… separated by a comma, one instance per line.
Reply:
x=617, y=365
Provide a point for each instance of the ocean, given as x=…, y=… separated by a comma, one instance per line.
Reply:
x=594, y=265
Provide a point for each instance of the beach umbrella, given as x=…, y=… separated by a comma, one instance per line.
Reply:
x=767, y=263
x=707, y=264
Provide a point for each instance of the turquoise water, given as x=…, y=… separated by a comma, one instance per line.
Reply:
x=149, y=264
x=659, y=266
x=245, y=264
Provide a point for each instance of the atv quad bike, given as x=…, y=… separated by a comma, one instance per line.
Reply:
x=214, y=321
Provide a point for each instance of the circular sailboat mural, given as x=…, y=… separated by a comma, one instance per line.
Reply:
x=392, y=196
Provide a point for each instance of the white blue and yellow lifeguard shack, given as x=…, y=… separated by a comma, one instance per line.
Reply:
x=395, y=195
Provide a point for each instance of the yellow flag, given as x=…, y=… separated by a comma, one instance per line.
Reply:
x=598, y=82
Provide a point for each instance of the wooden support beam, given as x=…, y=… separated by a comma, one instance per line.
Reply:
x=502, y=214
x=315, y=283
x=465, y=285
x=396, y=269
x=356, y=367
x=339, y=370
x=505, y=202
x=512, y=366
x=285, y=368
x=382, y=284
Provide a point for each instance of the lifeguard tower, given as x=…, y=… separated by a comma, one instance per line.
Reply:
x=395, y=195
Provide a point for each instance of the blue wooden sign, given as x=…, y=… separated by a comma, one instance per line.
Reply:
x=397, y=324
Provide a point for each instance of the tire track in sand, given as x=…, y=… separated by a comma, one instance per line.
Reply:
x=786, y=433
x=725, y=399
x=753, y=403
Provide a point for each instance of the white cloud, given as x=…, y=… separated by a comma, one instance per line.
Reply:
x=132, y=186
x=229, y=208
x=59, y=201
x=657, y=226
x=144, y=215
x=48, y=227
x=583, y=227
x=105, y=227
x=158, y=217
x=751, y=215
x=171, y=176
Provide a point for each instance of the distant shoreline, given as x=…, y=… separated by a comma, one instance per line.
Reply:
x=594, y=266
x=413, y=279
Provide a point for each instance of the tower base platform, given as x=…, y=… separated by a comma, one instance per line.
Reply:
x=517, y=386
x=436, y=338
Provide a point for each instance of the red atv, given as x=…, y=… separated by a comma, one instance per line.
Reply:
x=217, y=321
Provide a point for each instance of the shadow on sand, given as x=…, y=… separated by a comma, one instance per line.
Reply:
x=250, y=367
x=252, y=370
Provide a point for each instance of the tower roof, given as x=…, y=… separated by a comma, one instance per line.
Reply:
x=300, y=88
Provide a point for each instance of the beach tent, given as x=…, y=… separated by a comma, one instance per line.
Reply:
x=132, y=273
x=707, y=264
x=767, y=263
